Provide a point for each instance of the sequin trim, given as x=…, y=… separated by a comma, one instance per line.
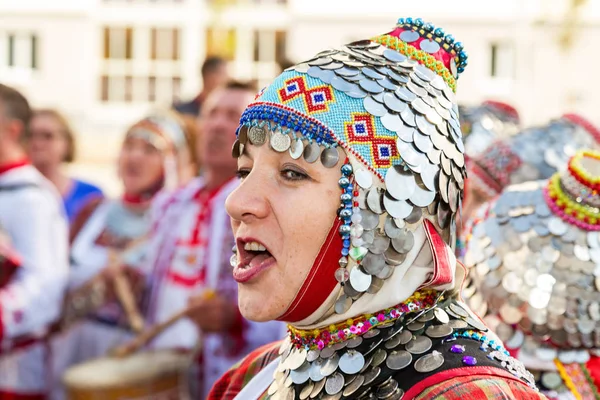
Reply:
x=321, y=338
x=421, y=56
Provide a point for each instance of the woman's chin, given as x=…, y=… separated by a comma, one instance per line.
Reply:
x=258, y=306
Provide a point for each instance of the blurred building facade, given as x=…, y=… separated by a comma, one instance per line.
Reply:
x=106, y=62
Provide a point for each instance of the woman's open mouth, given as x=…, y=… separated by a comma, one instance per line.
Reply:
x=253, y=258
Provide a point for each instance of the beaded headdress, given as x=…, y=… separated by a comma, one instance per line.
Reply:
x=166, y=131
x=534, y=262
x=389, y=104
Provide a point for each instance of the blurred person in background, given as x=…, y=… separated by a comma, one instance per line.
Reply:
x=214, y=74
x=190, y=251
x=107, y=242
x=50, y=142
x=32, y=217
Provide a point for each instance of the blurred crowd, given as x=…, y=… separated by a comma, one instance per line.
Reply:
x=83, y=276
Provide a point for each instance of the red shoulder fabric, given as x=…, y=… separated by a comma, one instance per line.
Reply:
x=593, y=367
x=230, y=384
x=478, y=387
x=82, y=216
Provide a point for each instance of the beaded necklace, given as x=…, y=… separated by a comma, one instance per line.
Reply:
x=320, y=338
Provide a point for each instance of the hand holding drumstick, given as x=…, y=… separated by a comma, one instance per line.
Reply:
x=206, y=297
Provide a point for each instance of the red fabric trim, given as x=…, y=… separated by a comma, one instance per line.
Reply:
x=320, y=281
x=504, y=107
x=455, y=373
x=21, y=396
x=585, y=124
x=187, y=281
x=12, y=165
x=442, y=271
x=593, y=367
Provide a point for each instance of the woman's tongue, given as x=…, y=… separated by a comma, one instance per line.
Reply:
x=259, y=258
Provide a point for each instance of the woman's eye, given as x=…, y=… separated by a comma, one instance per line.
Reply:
x=292, y=175
x=242, y=173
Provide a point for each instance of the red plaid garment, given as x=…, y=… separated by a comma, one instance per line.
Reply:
x=240, y=374
x=480, y=387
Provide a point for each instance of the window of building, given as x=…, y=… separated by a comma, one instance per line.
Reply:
x=118, y=43
x=164, y=44
x=502, y=60
x=34, y=52
x=22, y=50
x=270, y=46
x=11, y=50
x=221, y=42
x=157, y=53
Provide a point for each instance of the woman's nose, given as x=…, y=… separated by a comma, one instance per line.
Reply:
x=249, y=200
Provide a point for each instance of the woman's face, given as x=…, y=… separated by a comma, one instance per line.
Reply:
x=46, y=142
x=140, y=165
x=287, y=207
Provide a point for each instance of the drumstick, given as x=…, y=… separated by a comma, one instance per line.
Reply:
x=146, y=336
x=124, y=292
x=127, y=300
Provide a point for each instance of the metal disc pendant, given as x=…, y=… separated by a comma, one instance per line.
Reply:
x=306, y=390
x=296, y=149
x=441, y=315
x=257, y=135
x=280, y=142
x=300, y=375
x=364, y=178
x=330, y=157
x=327, y=352
x=343, y=304
x=419, y=345
x=236, y=150
x=354, y=342
x=315, y=370
x=378, y=357
x=319, y=386
x=405, y=337
x=296, y=358
x=404, y=243
x=351, y=362
x=359, y=280
x=439, y=331
x=334, y=384
x=398, y=360
x=429, y=362
x=373, y=263
x=330, y=365
x=354, y=386
x=312, y=152
x=371, y=375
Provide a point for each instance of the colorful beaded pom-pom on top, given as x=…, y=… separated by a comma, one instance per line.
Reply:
x=573, y=195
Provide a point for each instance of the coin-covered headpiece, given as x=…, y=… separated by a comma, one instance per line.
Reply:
x=486, y=123
x=534, y=264
x=389, y=104
x=534, y=153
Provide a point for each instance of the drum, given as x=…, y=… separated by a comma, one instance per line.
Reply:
x=156, y=375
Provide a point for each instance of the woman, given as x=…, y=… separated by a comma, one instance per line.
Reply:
x=109, y=234
x=50, y=143
x=352, y=170
x=533, y=262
